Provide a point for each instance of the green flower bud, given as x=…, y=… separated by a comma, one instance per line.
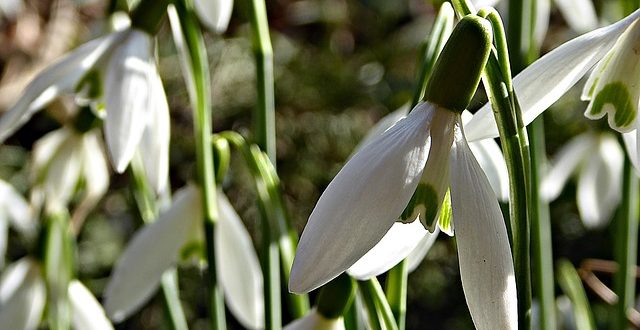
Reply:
x=459, y=67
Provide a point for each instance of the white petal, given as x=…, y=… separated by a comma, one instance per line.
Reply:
x=4, y=236
x=486, y=266
x=314, y=321
x=414, y=259
x=128, y=96
x=630, y=142
x=383, y=124
x=434, y=179
x=45, y=148
x=613, y=86
x=362, y=202
x=238, y=267
x=22, y=296
x=154, y=146
x=183, y=52
x=16, y=209
x=61, y=77
x=95, y=170
x=86, y=310
x=396, y=245
x=63, y=173
x=565, y=163
x=542, y=83
x=215, y=14
x=492, y=162
x=153, y=250
x=600, y=183
x=579, y=14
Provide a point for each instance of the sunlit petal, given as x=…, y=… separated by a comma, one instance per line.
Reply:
x=22, y=296
x=63, y=173
x=61, y=77
x=238, y=267
x=152, y=250
x=215, y=14
x=565, y=163
x=128, y=96
x=542, y=83
x=86, y=310
x=384, y=124
x=486, y=265
x=396, y=245
x=362, y=202
x=154, y=146
x=600, y=183
x=543, y=9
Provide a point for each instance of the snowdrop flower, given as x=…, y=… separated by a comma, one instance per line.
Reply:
x=23, y=295
x=412, y=240
x=119, y=71
x=426, y=153
x=16, y=211
x=215, y=14
x=316, y=321
x=156, y=247
x=542, y=83
x=599, y=159
x=62, y=160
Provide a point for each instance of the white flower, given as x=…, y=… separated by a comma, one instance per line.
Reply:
x=426, y=152
x=118, y=69
x=542, y=83
x=16, y=211
x=156, y=247
x=62, y=160
x=315, y=321
x=23, y=295
x=412, y=240
x=215, y=14
x=599, y=159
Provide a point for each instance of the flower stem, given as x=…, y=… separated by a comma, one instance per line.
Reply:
x=264, y=124
x=199, y=69
x=571, y=284
x=541, y=243
x=380, y=315
x=626, y=247
x=396, y=291
x=148, y=15
x=148, y=208
x=58, y=268
x=352, y=320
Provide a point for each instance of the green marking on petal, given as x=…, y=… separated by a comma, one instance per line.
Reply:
x=423, y=202
x=617, y=95
x=446, y=213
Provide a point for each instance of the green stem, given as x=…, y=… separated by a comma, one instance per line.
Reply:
x=626, y=247
x=541, y=243
x=148, y=208
x=571, y=284
x=265, y=127
x=380, y=314
x=352, y=320
x=148, y=15
x=199, y=69
x=256, y=161
x=396, y=290
x=58, y=269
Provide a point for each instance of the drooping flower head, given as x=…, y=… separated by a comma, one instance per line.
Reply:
x=404, y=174
x=118, y=74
